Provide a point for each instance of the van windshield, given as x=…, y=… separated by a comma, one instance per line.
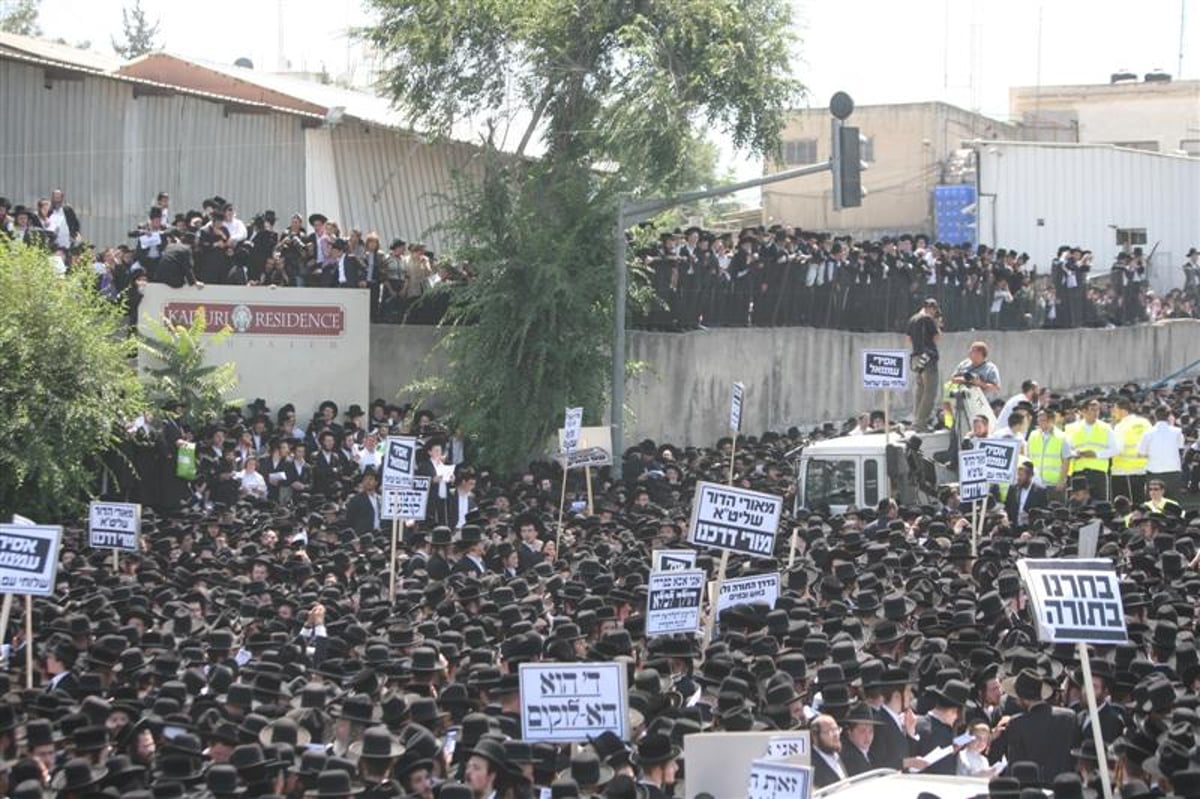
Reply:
x=828, y=482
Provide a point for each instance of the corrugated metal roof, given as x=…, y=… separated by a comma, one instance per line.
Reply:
x=62, y=53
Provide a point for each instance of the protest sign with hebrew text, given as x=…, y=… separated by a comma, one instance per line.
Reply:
x=972, y=474
x=773, y=779
x=735, y=407
x=1075, y=601
x=572, y=427
x=29, y=558
x=1002, y=456
x=668, y=560
x=793, y=744
x=114, y=525
x=399, y=461
x=407, y=499
x=760, y=588
x=885, y=369
x=735, y=519
x=566, y=702
x=673, y=602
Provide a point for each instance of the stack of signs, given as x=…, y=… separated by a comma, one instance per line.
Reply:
x=885, y=369
x=572, y=426
x=407, y=500
x=735, y=407
x=1002, y=456
x=1075, y=601
x=972, y=475
x=114, y=525
x=673, y=602
x=670, y=560
x=573, y=702
x=735, y=519
x=761, y=588
x=775, y=779
x=28, y=558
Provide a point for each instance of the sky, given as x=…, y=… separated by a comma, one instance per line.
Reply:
x=965, y=52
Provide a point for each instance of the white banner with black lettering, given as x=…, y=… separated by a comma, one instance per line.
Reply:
x=1002, y=457
x=972, y=474
x=672, y=560
x=884, y=369
x=673, y=602
x=565, y=702
x=572, y=427
x=1075, y=601
x=735, y=519
x=406, y=500
x=791, y=745
x=114, y=525
x=761, y=588
x=772, y=779
x=399, y=462
x=735, y=407
x=29, y=558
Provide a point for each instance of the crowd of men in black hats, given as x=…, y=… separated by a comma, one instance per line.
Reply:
x=784, y=275
x=775, y=276
x=252, y=647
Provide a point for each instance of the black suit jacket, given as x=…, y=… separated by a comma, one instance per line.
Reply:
x=360, y=514
x=1046, y=735
x=854, y=760
x=1036, y=499
x=451, y=506
x=527, y=558
x=465, y=565
x=822, y=773
x=891, y=744
x=353, y=269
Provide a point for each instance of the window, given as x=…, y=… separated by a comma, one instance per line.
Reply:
x=800, y=151
x=829, y=483
x=1148, y=146
x=870, y=483
x=868, y=150
x=1131, y=237
x=1190, y=146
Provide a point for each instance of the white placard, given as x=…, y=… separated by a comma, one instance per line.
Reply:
x=1002, y=457
x=407, y=500
x=29, y=558
x=580, y=458
x=399, y=460
x=114, y=525
x=1075, y=601
x=761, y=588
x=792, y=745
x=884, y=369
x=972, y=474
x=564, y=702
x=735, y=519
x=1089, y=539
x=673, y=602
x=572, y=427
x=735, y=407
x=672, y=560
x=771, y=779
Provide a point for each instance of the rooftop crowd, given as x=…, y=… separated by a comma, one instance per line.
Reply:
x=251, y=648
x=767, y=277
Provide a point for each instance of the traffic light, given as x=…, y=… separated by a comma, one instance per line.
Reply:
x=848, y=167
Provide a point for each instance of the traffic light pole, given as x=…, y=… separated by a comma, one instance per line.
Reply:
x=631, y=212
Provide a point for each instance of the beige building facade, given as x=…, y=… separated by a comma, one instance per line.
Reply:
x=910, y=148
x=1161, y=116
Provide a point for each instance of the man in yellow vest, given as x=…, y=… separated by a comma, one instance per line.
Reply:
x=1093, y=444
x=1129, y=467
x=1049, y=451
x=1159, y=502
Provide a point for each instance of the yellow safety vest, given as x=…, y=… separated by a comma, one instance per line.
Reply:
x=1129, y=432
x=1096, y=439
x=1046, y=452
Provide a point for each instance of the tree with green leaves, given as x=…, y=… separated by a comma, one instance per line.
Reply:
x=179, y=372
x=20, y=17
x=619, y=94
x=67, y=387
x=139, y=33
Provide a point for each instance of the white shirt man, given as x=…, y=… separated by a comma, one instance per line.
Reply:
x=1161, y=446
x=253, y=483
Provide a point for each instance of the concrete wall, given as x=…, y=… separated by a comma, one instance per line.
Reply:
x=802, y=376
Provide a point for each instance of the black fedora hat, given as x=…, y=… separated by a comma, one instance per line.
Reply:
x=955, y=693
x=221, y=779
x=1029, y=685
x=655, y=749
x=333, y=783
x=376, y=744
x=77, y=775
x=587, y=769
x=358, y=708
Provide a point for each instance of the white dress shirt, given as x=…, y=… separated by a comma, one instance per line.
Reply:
x=1161, y=446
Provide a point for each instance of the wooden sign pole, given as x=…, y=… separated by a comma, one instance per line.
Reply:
x=395, y=538
x=5, y=612
x=587, y=473
x=562, y=501
x=28, y=642
x=732, y=457
x=1097, y=735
